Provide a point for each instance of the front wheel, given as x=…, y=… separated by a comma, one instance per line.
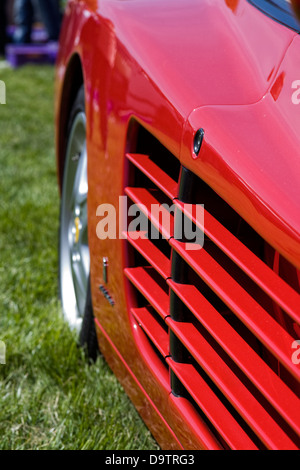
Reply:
x=74, y=255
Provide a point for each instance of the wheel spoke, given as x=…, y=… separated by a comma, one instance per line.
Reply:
x=79, y=281
x=81, y=184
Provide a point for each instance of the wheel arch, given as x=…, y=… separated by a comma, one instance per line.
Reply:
x=73, y=80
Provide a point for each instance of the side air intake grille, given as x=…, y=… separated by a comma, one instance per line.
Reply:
x=220, y=319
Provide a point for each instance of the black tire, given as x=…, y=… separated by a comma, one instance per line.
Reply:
x=87, y=333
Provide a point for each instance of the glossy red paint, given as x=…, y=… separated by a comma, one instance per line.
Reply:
x=173, y=67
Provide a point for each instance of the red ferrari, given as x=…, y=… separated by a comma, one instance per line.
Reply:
x=178, y=156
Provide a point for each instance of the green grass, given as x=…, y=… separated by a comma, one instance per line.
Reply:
x=50, y=397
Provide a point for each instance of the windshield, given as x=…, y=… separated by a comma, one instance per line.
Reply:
x=279, y=10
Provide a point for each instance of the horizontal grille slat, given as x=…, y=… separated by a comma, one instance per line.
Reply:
x=149, y=288
x=232, y=388
x=262, y=376
x=212, y=407
x=161, y=179
x=150, y=252
x=259, y=322
x=153, y=330
x=187, y=413
x=145, y=200
x=257, y=270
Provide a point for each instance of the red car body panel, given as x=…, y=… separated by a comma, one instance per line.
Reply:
x=174, y=67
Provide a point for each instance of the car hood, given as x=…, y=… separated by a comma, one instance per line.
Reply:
x=208, y=52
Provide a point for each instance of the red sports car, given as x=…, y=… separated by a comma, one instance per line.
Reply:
x=178, y=156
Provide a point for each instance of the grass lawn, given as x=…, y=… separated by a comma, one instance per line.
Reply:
x=50, y=397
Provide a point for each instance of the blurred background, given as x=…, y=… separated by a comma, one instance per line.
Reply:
x=29, y=30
